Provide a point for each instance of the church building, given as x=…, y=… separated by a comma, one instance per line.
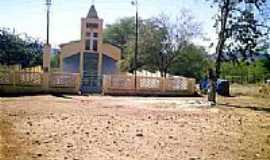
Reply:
x=90, y=56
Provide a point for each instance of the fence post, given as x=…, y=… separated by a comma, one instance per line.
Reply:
x=191, y=85
x=78, y=83
x=138, y=82
x=104, y=83
x=13, y=76
x=45, y=81
x=133, y=83
x=163, y=86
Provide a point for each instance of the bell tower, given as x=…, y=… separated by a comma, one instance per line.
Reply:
x=91, y=36
x=91, y=31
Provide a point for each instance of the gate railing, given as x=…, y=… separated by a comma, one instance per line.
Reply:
x=121, y=84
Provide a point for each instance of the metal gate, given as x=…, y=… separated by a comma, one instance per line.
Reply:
x=91, y=83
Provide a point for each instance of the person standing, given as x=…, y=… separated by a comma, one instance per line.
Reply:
x=211, y=87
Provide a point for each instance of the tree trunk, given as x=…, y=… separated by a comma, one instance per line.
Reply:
x=161, y=73
x=224, y=13
x=165, y=73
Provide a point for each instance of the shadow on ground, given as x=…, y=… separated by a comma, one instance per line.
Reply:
x=254, y=108
x=65, y=96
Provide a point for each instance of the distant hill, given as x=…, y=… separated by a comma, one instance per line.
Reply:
x=257, y=56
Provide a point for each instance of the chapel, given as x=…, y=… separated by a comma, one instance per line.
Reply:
x=90, y=56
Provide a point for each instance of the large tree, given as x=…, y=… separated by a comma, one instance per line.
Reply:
x=241, y=28
x=191, y=62
x=19, y=49
x=122, y=33
x=164, y=39
x=161, y=39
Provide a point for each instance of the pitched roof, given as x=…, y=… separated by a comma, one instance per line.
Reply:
x=92, y=12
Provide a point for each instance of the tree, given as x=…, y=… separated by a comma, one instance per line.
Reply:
x=266, y=64
x=240, y=28
x=163, y=39
x=122, y=33
x=25, y=51
x=191, y=62
x=247, y=72
x=55, y=61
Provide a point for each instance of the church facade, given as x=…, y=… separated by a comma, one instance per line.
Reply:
x=90, y=56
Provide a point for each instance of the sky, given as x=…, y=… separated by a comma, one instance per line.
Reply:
x=29, y=16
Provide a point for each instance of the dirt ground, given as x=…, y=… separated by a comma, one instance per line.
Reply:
x=133, y=128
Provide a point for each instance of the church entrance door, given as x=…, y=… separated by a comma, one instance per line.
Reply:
x=91, y=83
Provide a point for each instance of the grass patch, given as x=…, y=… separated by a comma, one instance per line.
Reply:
x=252, y=90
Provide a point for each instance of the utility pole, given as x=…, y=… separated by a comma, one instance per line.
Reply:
x=48, y=4
x=135, y=3
x=47, y=46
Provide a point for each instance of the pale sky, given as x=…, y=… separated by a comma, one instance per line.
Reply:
x=29, y=16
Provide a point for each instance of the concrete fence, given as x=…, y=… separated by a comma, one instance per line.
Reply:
x=16, y=82
x=126, y=85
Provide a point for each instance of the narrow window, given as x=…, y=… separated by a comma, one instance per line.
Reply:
x=87, y=44
x=95, y=45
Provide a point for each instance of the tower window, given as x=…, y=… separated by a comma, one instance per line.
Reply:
x=87, y=44
x=91, y=25
x=95, y=35
x=88, y=34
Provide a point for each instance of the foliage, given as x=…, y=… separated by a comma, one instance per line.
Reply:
x=164, y=39
x=122, y=33
x=54, y=61
x=19, y=49
x=248, y=72
x=266, y=64
x=161, y=40
x=241, y=29
x=191, y=62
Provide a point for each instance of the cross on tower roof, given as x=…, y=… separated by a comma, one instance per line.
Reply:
x=92, y=12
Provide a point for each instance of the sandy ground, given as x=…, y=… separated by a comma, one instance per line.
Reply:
x=125, y=128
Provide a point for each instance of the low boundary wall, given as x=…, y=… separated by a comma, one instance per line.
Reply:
x=13, y=82
x=152, y=86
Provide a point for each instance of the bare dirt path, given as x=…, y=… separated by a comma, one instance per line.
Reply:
x=129, y=128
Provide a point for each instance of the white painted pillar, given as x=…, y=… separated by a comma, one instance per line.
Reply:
x=47, y=58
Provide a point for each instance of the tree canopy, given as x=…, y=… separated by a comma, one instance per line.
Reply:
x=19, y=49
x=257, y=71
x=161, y=40
x=164, y=38
x=241, y=27
x=192, y=62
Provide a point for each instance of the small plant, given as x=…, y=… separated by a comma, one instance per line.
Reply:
x=264, y=90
